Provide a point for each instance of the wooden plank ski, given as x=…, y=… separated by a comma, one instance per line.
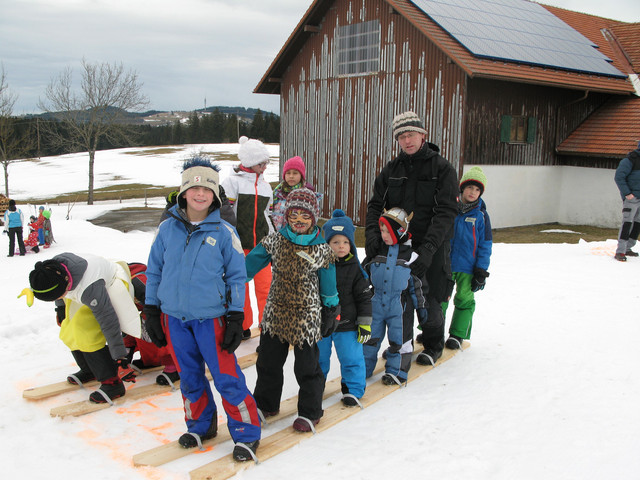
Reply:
x=85, y=407
x=173, y=451
x=46, y=391
x=286, y=438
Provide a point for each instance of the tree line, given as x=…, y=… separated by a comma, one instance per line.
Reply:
x=216, y=127
x=97, y=117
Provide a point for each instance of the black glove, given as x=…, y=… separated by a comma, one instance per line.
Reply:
x=153, y=325
x=372, y=245
x=233, y=332
x=479, y=279
x=421, y=264
x=330, y=318
x=60, y=314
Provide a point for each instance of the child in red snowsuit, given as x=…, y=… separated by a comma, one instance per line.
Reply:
x=32, y=239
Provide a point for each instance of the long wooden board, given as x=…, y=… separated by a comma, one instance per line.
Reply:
x=46, y=391
x=173, y=451
x=286, y=438
x=85, y=407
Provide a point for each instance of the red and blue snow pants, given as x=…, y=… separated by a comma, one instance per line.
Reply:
x=196, y=342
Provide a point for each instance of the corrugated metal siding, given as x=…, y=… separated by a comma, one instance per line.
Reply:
x=341, y=126
x=557, y=113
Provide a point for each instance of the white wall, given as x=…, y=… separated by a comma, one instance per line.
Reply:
x=530, y=195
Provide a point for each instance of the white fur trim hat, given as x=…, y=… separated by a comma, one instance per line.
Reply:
x=252, y=152
x=407, y=122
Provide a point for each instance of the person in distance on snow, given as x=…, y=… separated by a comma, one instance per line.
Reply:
x=13, y=221
x=627, y=179
x=94, y=306
x=301, y=308
x=196, y=276
x=470, y=253
x=354, y=292
x=250, y=196
x=393, y=284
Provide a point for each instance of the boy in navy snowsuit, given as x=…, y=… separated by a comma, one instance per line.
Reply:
x=470, y=252
x=392, y=282
x=354, y=327
x=196, y=275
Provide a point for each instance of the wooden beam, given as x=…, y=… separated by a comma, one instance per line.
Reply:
x=275, y=79
x=311, y=28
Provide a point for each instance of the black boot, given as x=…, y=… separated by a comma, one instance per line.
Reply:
x=188, y=440
x=162, y=378
x=82, y=376
x=112, y=388
x=428, y=357
x=241, y=454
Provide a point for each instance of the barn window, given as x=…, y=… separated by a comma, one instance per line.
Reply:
x=518, y=129
x=358, y=50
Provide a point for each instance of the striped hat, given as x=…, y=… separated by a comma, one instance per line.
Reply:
x=407, y=122
x=474, y=176
x=303, y=199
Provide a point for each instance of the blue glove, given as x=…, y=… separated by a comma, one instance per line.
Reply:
x=422, y=317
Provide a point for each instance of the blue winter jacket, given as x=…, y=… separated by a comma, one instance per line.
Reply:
x=627, y=175
x=472, y=240
x=196, y=272
x=13, y=219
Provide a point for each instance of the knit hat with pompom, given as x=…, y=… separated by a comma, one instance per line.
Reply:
x=252, y=152
x=340, y=224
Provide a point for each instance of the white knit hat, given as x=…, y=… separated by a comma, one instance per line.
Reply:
x=252, y=152
x=407, y=122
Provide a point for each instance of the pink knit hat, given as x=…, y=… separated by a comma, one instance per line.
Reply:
x=294, y=163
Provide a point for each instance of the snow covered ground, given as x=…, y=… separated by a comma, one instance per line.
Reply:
x=549, y=388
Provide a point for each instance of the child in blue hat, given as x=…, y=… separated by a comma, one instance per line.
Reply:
x=354, y=327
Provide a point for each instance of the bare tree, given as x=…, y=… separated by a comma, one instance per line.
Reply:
x=11, y=144
x=96, y=111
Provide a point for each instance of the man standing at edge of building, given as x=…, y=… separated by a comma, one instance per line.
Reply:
x=424, y=183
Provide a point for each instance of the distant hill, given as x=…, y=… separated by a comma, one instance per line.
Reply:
x=160, y=117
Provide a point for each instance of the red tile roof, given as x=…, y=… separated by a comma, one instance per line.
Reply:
x=472, y=66
x=611, y=131
x=628, y=37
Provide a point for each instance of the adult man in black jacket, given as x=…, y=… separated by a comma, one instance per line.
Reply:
x=421, y=181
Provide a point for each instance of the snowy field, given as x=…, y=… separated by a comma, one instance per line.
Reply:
x=548, y=390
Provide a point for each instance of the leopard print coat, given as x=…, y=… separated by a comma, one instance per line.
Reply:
x=292, y=312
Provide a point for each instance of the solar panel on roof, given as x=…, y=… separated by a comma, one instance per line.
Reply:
x=518, y=31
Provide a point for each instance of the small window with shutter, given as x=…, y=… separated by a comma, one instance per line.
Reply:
x=517, y=129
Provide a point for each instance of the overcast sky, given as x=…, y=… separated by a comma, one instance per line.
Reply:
x=183, y=51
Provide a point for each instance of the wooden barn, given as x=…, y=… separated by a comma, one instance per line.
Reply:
x=488, y=82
